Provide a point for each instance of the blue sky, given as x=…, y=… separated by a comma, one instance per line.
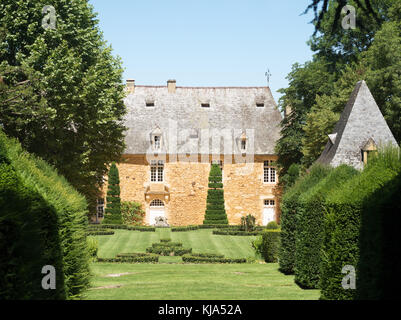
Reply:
x=207, y=43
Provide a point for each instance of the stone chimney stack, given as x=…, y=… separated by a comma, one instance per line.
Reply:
x=171, y=86
x=130, y=86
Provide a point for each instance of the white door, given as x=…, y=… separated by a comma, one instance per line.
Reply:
x=269, y=212
x=156, y=210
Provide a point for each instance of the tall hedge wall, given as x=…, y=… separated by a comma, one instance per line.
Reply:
x=344, y=207
x=29, y=239
x=309, y=231
x=379, y=264
x=289, y=208
x=70, y=210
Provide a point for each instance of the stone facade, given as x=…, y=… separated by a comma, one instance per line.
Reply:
x=185, y=186
x=188, y=128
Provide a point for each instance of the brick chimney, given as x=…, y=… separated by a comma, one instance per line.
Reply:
x=131, y=85
x=171, y=86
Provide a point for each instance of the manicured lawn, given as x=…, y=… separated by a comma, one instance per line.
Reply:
x=171, y=279
x=201, y=241
x=194, y=282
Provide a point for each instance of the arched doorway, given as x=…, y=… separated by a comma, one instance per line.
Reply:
x=156, y=209
x=269, y=211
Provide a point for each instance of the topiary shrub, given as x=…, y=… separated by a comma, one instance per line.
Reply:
x=68, y=221
x=289, y=208
x=309, y=230
x=342, y=225
x=215, y=212
x=268, y=245
x=113, y=205
x=272, y=225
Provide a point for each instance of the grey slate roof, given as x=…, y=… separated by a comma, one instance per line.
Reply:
x=232, y=113
x=360, y=121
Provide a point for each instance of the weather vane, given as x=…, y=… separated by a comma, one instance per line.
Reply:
x=268, y=75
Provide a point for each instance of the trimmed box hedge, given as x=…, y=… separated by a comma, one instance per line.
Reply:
x=270, y=245
x=197, y=259
x=289, y=208
x=236, y=233
x=133, y=259
x=309, y=231
x=100, y=232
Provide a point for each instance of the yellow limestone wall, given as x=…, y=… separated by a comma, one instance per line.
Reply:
x=187, y=183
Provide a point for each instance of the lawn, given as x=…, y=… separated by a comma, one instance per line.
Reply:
x=171, y=279
x=201, y=241
x=193, y=282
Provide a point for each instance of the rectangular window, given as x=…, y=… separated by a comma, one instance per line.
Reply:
x=157, y=171
x=100, y=208
x=260, y=105
x=150, y=104
x=205, y=105
x=269, y=172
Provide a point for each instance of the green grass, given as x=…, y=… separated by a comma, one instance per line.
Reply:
x=172, y=279
x=194, y=282
x=201, y=241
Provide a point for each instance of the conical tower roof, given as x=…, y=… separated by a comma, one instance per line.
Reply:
x=360, y=122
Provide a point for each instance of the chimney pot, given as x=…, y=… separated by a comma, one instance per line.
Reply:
x=171, y=86
x=131, y=85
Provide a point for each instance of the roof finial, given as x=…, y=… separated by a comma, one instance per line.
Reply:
x=268, y=75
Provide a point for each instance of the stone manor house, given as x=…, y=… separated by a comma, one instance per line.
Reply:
x=175, y=134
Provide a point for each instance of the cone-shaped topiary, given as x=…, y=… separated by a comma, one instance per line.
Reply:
x=113, y=207
x=215, y=211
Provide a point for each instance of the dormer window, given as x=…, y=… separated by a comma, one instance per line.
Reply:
x=243, y=145
x=156, y=139
x=157, y=142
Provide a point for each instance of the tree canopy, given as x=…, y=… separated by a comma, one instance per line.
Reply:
x=61, y=91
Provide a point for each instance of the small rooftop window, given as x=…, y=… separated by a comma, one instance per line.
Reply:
x=150, y=103
x=205, y=105
x=260, y=104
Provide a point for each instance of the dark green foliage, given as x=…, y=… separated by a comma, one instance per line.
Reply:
x=121, y=227
x=29, y=240
x=215, y=211
x=235, y=233
x=289, y=208
x=309, y=232
x=131, y=259
x=63, y=92
x=269, y=248
x=380, y=241
x=288, y=179
x=113, y=206
x=65, y=222
x=104, y=232
x=168, y=249
x=342, y=225
x=198, y=259
x=183, y=229
x=272, y=225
